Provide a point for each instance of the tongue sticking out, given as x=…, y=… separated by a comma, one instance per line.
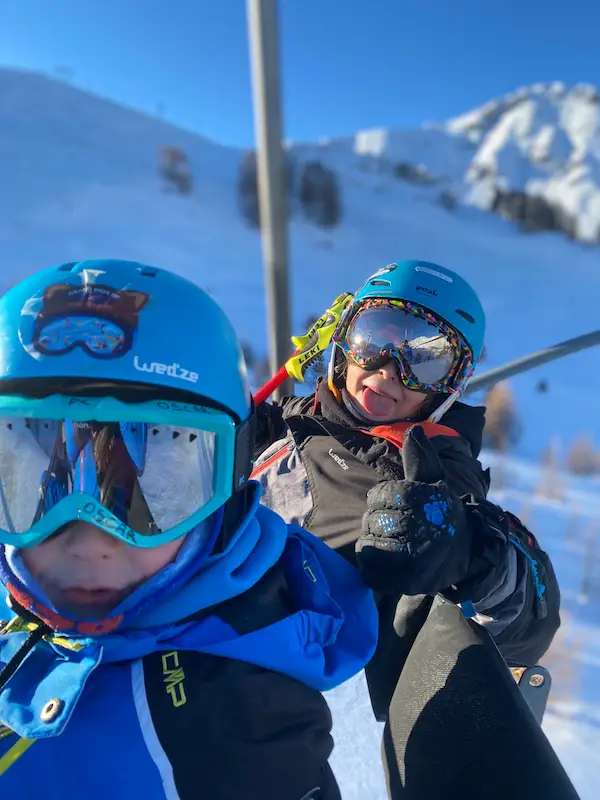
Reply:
x=378, y=405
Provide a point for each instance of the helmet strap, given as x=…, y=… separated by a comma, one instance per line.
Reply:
x=237, y=505
x=335, y=360
x=439, y=412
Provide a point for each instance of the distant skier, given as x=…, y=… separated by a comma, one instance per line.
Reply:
x=385, y=430
x=406, y=351
x=164, y=635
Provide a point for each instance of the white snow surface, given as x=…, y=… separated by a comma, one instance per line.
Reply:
x=80, y=180
x=572, y=719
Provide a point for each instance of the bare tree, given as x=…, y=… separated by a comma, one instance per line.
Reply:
x=552, y=483
x=526, y=512
x=447, y=199
x=320, y=195
x=247, y=187
x=573, y=526
x=174, y=169
x=590, y=579
x=502, y=428
x=563, y=662
x=583, y=458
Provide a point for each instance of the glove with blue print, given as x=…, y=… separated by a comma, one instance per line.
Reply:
x=416, y=537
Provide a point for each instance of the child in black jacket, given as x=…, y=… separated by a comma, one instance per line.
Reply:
x=384, y=441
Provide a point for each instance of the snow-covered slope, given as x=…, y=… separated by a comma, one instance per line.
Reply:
x=540, y=143
x=544, y=141
x=80, y=179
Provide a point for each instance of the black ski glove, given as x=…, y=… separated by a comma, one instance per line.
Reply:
x=416, y=537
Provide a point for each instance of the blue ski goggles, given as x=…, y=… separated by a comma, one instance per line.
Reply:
x=146, y=473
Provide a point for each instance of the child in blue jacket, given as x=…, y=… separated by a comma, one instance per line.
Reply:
x=163, y=634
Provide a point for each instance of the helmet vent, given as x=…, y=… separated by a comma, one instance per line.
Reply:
x=68, y=267
x=148, y=272
x=380, y=283
x=466, y=315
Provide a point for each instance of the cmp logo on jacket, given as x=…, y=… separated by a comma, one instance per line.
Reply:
x=173, y=678
x=97, y=318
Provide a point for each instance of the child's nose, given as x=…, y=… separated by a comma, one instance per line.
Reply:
x=389, y=369
x=84, y=540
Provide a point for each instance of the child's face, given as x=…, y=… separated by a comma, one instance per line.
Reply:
x=87, y=572
x=381, y=392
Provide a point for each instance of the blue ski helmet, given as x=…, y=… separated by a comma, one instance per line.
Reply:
x=120, y=321
x=435, y=288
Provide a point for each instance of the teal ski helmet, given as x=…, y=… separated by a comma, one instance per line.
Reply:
x=441, y=294
x=106, y=356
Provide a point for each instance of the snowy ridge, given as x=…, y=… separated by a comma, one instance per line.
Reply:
x=543, y=141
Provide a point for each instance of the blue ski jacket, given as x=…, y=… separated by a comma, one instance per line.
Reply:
x=214, y=693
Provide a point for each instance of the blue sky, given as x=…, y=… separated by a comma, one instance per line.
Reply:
x=346, y=64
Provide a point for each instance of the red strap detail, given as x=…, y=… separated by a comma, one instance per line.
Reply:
x=395, y=433
x=60, y=623
x=270, y=460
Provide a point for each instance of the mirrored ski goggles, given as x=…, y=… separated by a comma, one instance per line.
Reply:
x=146, y=473
x=431, y=356
x=100, y=338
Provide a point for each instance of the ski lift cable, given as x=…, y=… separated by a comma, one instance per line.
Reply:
x=524, y=364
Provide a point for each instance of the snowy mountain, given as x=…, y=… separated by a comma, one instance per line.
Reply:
x=543, y=142
x=80, y=179
x=532, y=156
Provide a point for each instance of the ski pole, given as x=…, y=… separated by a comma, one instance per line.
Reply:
x=493, y=376
x=308, y=348
x=273, y=383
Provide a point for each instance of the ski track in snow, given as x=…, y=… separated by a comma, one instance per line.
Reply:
x=80, y=181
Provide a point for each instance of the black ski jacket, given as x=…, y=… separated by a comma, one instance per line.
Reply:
x=316, y=463
x=273, y=742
